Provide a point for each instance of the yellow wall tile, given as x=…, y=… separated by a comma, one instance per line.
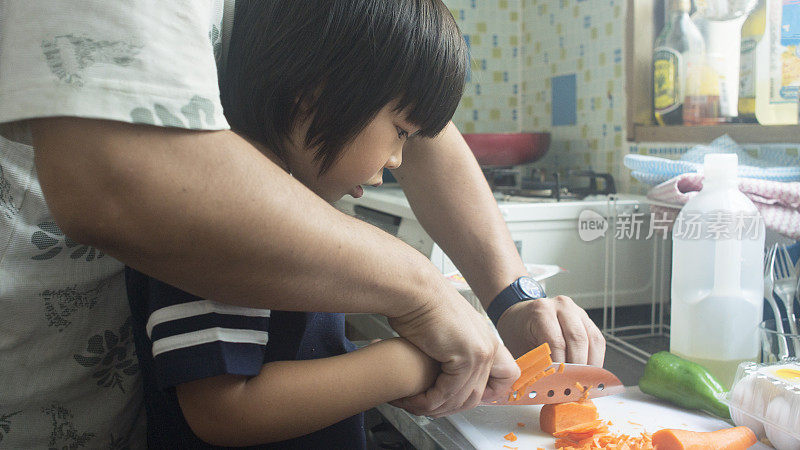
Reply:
x=497, y=53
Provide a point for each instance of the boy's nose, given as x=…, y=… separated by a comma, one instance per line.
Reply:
x=394, y=162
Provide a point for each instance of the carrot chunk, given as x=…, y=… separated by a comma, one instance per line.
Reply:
x=511, y=437
x=737, y=438
x=557, y=417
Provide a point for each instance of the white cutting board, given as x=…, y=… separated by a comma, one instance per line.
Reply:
x=631, y=413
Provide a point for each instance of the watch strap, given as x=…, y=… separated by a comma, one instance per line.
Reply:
x=507, y=298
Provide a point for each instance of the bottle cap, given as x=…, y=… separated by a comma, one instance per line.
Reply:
x=720, y=167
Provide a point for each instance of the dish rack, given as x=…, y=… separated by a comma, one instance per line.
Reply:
x=650, y=332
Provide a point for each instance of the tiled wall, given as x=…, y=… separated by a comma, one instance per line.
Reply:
x=492, y=99
x=548, y=65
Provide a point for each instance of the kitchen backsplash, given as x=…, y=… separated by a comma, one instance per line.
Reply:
x=555, y=66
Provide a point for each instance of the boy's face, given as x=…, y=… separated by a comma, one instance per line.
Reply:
x=378, y=146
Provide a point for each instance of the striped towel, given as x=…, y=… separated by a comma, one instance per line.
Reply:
x=778, y=203
x=774, y=166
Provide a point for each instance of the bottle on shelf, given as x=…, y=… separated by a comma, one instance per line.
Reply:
x=717, y=273
x=752, y=33
x=678, y=47
x=701, y=105
x=777, y=64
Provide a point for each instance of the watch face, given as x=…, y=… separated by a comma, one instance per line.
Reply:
x=531, y=287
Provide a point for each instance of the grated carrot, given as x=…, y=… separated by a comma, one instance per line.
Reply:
x=510, y=437
x=596, y=435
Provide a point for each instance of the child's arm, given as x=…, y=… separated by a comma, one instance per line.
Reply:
x=293, y=398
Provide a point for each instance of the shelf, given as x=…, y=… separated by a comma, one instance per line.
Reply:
x=741, y=133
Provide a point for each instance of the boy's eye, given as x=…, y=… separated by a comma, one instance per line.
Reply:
x=401, y=133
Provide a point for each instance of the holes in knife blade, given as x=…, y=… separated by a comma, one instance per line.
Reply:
x=515, y=395
x=567, y=391
x=532, y=394
x=550, y=393
x=601, y=386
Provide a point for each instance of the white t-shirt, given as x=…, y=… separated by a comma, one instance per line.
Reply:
x=68, y=371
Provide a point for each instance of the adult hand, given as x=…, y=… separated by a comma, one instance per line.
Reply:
x=475, y=365
x=565, y=326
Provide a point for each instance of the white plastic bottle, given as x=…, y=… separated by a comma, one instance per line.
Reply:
x=717, y=274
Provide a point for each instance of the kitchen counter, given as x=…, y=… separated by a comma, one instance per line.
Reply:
x=483, y=427
x=424, y=433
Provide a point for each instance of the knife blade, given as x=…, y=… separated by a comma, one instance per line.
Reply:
x=562, y=386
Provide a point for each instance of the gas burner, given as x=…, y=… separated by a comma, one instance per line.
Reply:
x=530, y=182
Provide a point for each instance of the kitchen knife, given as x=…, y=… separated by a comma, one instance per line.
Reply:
x=562, y=385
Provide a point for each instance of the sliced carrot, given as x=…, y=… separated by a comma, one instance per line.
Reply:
x=511, y=437
x=583, y=428
x=557, y=417
x=561, y=368
x=737, y=438
x=532, y=357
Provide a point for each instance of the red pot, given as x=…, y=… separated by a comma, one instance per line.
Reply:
x=507, y=149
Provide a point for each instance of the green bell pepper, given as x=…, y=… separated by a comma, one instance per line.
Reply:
x=684, y=383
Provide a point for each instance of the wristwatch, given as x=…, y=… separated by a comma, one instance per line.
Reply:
x=523, y=288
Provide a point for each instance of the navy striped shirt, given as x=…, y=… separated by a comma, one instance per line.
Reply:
x=181, y=338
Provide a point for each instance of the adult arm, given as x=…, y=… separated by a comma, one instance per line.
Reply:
x=293, y=398
x=206, y=211
x=451, y=198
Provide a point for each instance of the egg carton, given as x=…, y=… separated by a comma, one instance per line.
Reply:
x=766, y=398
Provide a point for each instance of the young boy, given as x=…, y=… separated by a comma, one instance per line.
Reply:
x=331, y=92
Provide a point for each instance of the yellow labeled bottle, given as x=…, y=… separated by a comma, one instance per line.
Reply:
x=678, y=44
x=752, y=33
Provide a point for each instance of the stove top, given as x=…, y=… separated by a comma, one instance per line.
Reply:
x=527, y=183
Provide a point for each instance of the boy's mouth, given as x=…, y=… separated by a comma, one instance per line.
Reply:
x=356, y=192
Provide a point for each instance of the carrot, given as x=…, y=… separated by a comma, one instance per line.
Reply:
x=520, y=424
x=511, y=437
x=556, y=417
x=532, y=365
x=583, y=428
x=726, y=439
x=532, y=357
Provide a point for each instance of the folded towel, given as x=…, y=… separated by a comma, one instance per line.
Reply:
x=774, y=166
x=778, y=203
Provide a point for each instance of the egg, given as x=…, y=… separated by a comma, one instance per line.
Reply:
x=748, y=405
x=780, y=412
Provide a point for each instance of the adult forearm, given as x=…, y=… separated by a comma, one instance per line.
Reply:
x=450, y=197
x=292, y=398
x=207, y=212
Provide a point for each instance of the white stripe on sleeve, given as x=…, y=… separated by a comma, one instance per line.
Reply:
x=209, y=335
x=198, y=308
